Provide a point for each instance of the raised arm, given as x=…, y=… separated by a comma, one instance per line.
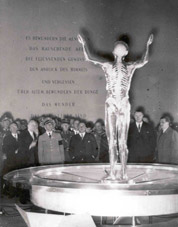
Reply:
x=85, y=51
x=144, y=60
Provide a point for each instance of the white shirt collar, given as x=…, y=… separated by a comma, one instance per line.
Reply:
x=75, y=131
x=82, y=134
x=15, y=135
x=49, y=133
x=139, y=123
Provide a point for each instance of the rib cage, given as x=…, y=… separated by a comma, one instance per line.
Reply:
x=118, y=82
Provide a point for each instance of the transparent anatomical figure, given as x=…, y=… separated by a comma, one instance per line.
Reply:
x=118, y=76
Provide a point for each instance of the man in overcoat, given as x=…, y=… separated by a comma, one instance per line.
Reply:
x=167, y=143
x=141, y=140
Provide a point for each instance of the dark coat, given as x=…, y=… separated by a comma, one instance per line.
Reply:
x=83, y=150
x=167, y=147
x=66, y=137
x=10, y=150
x=29, y=156
x=103, y=148
x=141, y=144
x=4, y=133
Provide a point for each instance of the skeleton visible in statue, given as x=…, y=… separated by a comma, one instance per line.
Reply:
x=117, y=107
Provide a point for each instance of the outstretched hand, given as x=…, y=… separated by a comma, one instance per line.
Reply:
x=80, y=39
x=150, y=40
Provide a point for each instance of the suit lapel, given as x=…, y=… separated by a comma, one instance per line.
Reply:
x=160, y=135
x=78, y=137
x=135, y=126
x=142, y=128
x=12, y=138
x=29, y=135
x=85, y=136
x=165, y=133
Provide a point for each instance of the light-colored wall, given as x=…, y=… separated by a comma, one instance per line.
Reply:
x=155, y=86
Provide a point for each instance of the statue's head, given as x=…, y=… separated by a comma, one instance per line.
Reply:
x=120, y=49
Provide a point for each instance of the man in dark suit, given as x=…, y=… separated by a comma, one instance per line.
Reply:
x=28, y=149
x=10, y=149
x=66, y=135
x=83, y=147
x=141, y=140
x=102, y=142
x=4, y=130
x=10, y=156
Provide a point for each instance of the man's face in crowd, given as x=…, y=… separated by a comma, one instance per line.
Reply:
x=88, y=130
x=23, y=125
x=5, y=124
x=138, y=117
x=98, y=127
x=32, y=126
x=13, y=128
x=49, y=126
x=76, y=124
x=82, y=127
x=65, y=127
x=71, y=122
x=41, y=120
x=164, y=124
x=18, y=124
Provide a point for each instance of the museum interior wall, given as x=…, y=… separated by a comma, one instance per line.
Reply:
x=42, y=64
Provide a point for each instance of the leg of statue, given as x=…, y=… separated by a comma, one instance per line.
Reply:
x=110, y=121
x=123, y=122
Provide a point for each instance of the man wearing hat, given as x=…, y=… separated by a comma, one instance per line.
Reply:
x=5, y=123
x=50, y=146
x=66, y=135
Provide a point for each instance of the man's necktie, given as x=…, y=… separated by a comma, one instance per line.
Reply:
x=49, y=135
x=139, y=127
x=34, y=136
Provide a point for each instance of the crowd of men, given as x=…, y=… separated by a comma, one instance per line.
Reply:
x=48, y=140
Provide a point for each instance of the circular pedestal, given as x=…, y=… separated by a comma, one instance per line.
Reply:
x=151, y=189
